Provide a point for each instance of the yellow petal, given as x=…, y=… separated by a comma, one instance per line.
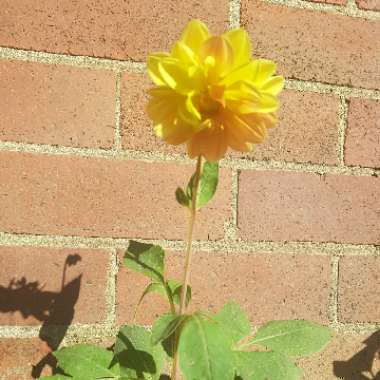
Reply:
x=241, y=45
x=183, y=53
x=174, y=133
x=153, y=61
x=210, y=143
x=263, y=69
x=217, y=53
x=174, y=75
x=195, y=33
x=274, y=85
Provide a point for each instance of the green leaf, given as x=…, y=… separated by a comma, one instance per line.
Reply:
x=207, y=186
x=265, y=366
x=56, y=377
x=294, y=338
x=137, y=356
x=165, y=326
x=234, y=321
x=85, y=361
x=204, y=350
x=182, y=198
x=147, y=259
x=176, y=289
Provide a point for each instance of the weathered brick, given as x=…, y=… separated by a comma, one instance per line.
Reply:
x=31, y=289
x=291, y=206
x=267, y=286
x=348, y=356
x=324, y=47
x=359, y=289
x=307, y=129
x=52, y=104
x=17, y=357
x=373, y=5
x=362, y=145
x=114, y=28
x=86, y=196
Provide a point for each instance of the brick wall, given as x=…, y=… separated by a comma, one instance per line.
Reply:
x=293, y=231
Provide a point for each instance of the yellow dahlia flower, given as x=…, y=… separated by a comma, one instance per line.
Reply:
x=210, y=94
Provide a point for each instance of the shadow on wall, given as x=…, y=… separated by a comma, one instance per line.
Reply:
x=54, y=309
x=361, y=365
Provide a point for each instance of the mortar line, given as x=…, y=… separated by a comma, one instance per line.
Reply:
x=110, y=292
x=231, y=228
x=99, y=331
x=333, y=301
x=227, y=247
x=117, y=146
x=235, y=9
x=328, y=88
x=351, y=4
x=349, y=11
x=140, y=67
x=73, y=60
x=342, y=126
x=160, y=157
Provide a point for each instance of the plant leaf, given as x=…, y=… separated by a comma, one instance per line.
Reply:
x=207, y=186
x=147, y=259
x=86, y=361
x=137, y=356
x=293, y=338
x=234, y=321
x=56, y=377
x=176, y=289
x=204, y=350
x=165, y=326
x=265, y=366
x=182, y=198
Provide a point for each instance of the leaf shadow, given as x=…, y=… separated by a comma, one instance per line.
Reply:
x=135, y=360
x=360, y=366
x=54, y=309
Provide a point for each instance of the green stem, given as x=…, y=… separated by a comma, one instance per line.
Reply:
x=186, y=277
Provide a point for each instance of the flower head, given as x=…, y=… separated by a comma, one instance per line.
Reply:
x=210, y=94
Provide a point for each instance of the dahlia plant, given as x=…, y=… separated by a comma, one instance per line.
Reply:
x=210, y=95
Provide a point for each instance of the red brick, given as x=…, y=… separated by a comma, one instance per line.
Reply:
x=85, y=196
x=348, y=356
x=113, y=28
x=339, y=2
x=324, y=47
x=359, y=289
x=362, y=146
x=63, y=105
x=373, y=5
x=17, y=357
x=307, y=129
x=291, y=206
x=31, y=279
x=268, y=287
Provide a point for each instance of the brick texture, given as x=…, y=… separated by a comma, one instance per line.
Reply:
x=283, y=206
x=44, y=194
x=348, y=356
x=362, y=146
x=373, y=5
x=30, y=296
x=266, y=286
x=47, y=104
x=307, y=129
x=103, y=29
x=17, y=356
x=359, y=287
x=323, y=47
